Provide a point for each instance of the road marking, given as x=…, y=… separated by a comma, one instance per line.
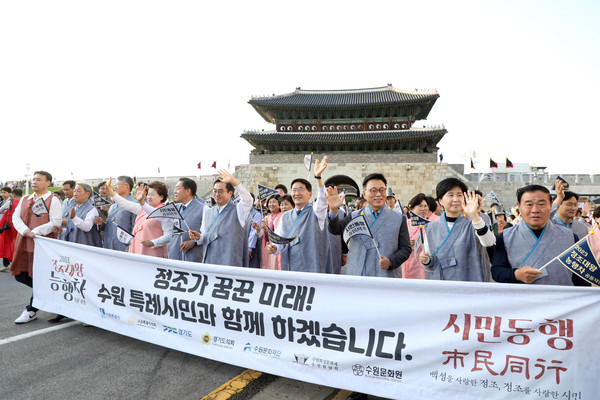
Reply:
x=234, y=386
x=38, y=332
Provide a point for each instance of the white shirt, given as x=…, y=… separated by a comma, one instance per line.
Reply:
x=166, y=224
x=87, y=223
x=55, y=214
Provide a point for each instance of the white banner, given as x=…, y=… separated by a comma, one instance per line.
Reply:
x=396, y=338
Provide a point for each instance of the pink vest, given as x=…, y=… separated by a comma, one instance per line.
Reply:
x=147, y=229
x=412, y=268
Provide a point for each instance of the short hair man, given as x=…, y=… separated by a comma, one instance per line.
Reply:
x=67, y=205
x=5, y=201
x=389, y=230
x=524, y=248
x=191, y=208
x=118, y=216
x=308, y=252
x=29, y=225
x=81, y=228
x=224, y=231
x=564, y=209
x=281, y=188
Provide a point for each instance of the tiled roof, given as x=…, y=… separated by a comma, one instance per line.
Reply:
x=386, y=95
x=410, y=135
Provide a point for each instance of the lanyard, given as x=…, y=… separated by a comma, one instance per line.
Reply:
x=218, y=215
x=297, y=216
x=536, y=242
x=449, y=231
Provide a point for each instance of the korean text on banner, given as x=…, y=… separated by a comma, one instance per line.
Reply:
x=388, y=337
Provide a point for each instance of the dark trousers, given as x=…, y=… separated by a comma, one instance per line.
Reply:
x=25, y=279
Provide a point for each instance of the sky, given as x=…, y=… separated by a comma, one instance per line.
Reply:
x=99, y=89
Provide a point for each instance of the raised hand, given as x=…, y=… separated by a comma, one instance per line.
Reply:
x=140, y=193
x=472, y=206
x=320, y=166
x=225, y=176
x=333, y=199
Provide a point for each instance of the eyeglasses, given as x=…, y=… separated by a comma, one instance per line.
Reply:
x=381, y=191
x=298, y=190
x=219, y=191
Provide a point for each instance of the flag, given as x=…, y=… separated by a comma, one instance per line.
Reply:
x=509, y=163
x=123, y=236
x=200, y=165
x=484, y=176
x=493, y=164
x=177, y=230
x=265, y=192
x=214, y=165
x=99, y=201
x=582, y=257
x=276, y=239
x=491, y=196
x=308, y=161
x=358, y=226
x=39, y=208
x=417, y=220
x=472, y=165
x=168, y=211
x=565, y=183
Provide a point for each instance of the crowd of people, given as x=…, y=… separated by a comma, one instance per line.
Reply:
x=453, y=240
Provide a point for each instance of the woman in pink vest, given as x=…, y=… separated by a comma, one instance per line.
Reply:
x=272, y=221
x=412, y=268
x=152, y=235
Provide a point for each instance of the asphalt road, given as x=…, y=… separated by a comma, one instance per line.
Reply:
x=66, y=360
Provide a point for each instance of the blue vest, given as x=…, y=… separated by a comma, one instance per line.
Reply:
x=67, y=205
x=519, y=242
x=76, y=235
x=124, y=219
x=309, y=252
x=226, y=241
x=362, y=255
x=457, y=253
x=193, y=218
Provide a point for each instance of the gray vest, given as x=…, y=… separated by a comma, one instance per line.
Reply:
x=519, y=242
x=124, y=219
x=193, y=217
x=309, y=251
x=579, y=228
x=76, y=235
x=362, y=255
x=226, y=241
x=460, y=256
x=67, y=205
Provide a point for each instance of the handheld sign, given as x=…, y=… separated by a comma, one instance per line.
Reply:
x=39, y=208
x=308, y=161
x=564, y=183
x=276, y=239
x=417, y=220
x=582, y=257
x=168, y=211
x=265, y=192
x=99, y=201
x=358, y=226
x=491, y=196
x=123, y=236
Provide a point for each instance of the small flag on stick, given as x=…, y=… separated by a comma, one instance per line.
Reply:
x=276, y=239
x=308, y=161
x=564, y=182
x=167, y=211
x=99, y=201
x=265, y=192
x=124, y=236
x=417, y=220
x=491, y=196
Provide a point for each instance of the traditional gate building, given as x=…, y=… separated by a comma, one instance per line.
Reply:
x=360, y=130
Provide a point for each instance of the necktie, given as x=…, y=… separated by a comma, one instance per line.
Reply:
x=298, y=212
